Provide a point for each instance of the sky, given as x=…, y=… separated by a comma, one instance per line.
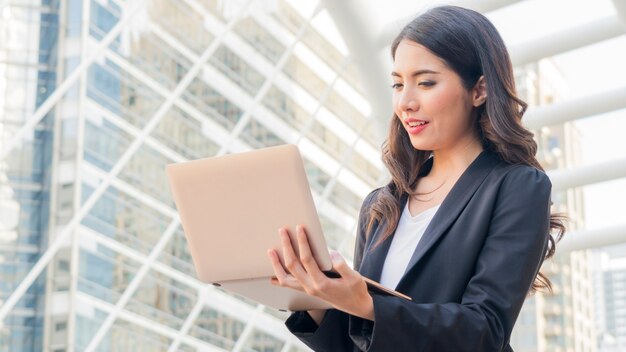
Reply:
x=586, y=71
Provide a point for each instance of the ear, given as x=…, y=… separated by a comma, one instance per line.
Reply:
x=479, y=92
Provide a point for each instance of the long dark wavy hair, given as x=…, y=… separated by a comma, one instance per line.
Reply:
x=471, y=46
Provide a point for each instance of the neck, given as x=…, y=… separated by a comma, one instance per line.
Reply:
x=449, y=163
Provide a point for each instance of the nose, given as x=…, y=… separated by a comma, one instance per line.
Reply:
x=407, y=101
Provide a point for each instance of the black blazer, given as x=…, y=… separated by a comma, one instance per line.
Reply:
x=469, y=274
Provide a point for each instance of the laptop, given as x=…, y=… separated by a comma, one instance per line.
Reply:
x=231, y=208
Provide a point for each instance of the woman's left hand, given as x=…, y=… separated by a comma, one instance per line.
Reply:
x=347, y=293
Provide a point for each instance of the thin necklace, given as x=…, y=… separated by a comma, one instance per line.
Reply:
x=417, y=199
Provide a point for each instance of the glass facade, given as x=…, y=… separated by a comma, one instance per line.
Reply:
x=149, y=94
x=30, y=76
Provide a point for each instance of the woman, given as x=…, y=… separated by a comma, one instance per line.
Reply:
x=464, y=224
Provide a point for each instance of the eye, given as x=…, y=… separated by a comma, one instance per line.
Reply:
x=396, y=85
x=427, y=84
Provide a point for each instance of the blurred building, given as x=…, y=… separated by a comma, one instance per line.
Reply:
x=27, y=76
x=185, y=80
x=562, y=320
x=610, y=288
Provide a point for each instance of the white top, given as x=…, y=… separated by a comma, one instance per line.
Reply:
x=404, y=241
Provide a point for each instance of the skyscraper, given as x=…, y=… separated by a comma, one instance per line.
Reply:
x=610, y=288
x=126, y=88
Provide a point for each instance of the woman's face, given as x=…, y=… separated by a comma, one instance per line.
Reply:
x=426, y=90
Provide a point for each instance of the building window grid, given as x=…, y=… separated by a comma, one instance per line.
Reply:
x=260, y=39
x=257, y=135
x=344, y=110
x=318, y=179
x=104, y=144
x=262, y=342
x=182, y=22
x=144, y=171
x=300, y=73
x=162, y=299
x=280, y=103
x=214, y=8
x=103, y=18
x=129, y=276
x=125, y=219
x=158, y=60
x=183, y=134
x=24, y=166
x=237, y=69
x=291, y=20
x=217, y=328
x=176, y=254
x=283, y=106
x=210, y=102
x=135, y=103
x=105, y=274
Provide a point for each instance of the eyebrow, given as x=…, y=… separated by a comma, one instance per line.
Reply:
x=415, y=73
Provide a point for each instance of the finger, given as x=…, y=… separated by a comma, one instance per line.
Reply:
x=290, y=283
x=282, y=278
x=340, y=265
x=292, y=262
x=279, y=271
x=306, y=256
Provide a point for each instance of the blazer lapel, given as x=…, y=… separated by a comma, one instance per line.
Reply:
x=452, y=205
x=372, y=262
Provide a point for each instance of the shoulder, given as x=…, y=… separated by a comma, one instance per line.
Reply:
x=371, y=197
x=508, y=172
x=521, y=175
x=521, y=183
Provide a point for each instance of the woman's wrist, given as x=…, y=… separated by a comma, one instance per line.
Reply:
x=368, y=308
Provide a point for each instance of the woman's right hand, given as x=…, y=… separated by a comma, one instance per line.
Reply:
x=289, y=281
x=347, y=293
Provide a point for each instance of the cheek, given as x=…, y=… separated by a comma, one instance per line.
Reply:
x=448, y=107
x=444, y=100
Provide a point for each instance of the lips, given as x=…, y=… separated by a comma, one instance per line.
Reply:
x=413, y=120
x=416, y=129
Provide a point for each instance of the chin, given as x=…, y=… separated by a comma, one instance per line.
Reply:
x=420, y=145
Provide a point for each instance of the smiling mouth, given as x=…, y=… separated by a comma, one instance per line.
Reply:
x=415, y=124
x=416, y=128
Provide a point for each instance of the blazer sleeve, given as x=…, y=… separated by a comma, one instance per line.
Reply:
x=332, y=333
x=507, y=265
